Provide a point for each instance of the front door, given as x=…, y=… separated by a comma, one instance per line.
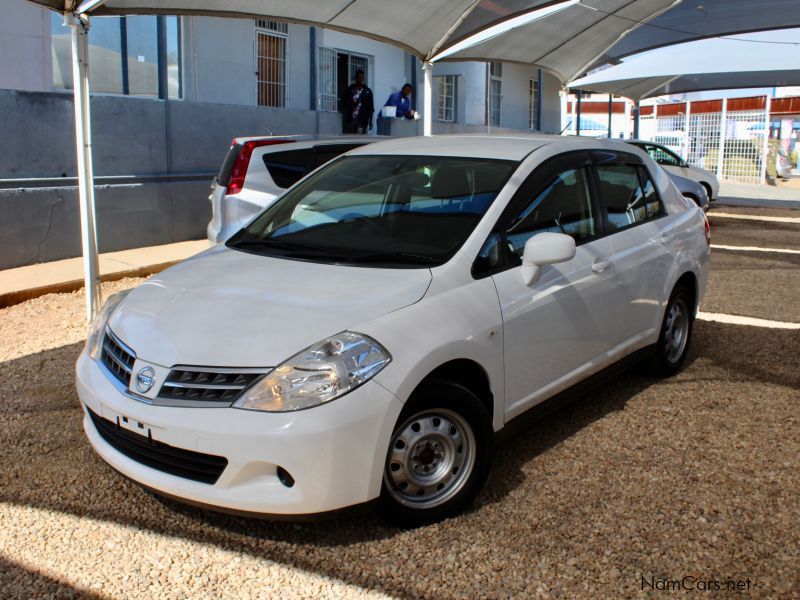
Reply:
x=558, y=330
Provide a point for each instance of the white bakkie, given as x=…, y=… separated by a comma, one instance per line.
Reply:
x=368, y=335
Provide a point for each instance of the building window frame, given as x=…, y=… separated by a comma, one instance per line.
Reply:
x=328, y=76
x=495, y=93
x=533, y=99
x=173, y=25
x=272, y=88
x=447, y=91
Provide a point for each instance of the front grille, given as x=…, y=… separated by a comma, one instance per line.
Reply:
x=117, y=358
x=205, y=468
x=220, y=386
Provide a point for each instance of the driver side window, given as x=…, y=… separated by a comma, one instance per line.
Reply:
x=563, y=206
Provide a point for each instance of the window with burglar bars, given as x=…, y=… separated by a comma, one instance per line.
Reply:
x=533, y=93
x=271, y=63
x=495, y=92
x=447, y=98
x=275, y=26
x=326, y=81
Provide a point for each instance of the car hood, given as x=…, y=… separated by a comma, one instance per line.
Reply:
x=233, y=309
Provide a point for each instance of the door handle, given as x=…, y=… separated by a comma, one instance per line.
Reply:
x=600, y=265
x=667, y=238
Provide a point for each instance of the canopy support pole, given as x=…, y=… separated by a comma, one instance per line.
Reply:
x=637, y=111
x=427, y=99
x=765, y=147
x=79, y=26
x=610, y=113
x=578, y=112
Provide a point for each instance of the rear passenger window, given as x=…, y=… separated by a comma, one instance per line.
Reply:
x=288, y=167
x=563, y=206
x=629, y=195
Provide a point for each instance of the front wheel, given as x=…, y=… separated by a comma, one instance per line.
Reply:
x=676, y=334
x=439, y=456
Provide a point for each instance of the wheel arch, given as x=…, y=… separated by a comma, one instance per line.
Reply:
x=468, y=373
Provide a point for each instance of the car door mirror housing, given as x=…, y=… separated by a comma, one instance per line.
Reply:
x=546, y=248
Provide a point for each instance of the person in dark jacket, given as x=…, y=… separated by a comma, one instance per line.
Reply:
x=358, y=106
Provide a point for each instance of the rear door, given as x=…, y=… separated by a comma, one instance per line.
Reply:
x=558, y=330
x=642, y=243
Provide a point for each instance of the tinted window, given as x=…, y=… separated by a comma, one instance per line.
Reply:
x=395, y=210
x=563, y=205
x=288, y=167
x=663, y=156
x=629, y=195
x=327, y=152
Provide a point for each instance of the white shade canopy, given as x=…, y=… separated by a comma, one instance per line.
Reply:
x=564, y=42
x=567, y=42
x=744, y=62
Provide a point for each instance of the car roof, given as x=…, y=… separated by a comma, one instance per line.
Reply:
x=505, y=147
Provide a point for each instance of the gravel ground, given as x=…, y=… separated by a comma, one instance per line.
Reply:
x=698, y=475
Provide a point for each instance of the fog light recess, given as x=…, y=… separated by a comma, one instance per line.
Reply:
x=285, y=478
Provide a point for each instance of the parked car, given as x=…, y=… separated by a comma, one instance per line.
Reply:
x=370, y=334
x=675, y=164
x=257, y=170
x=691, y=190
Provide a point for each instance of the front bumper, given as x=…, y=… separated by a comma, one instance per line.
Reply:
x=335, y=452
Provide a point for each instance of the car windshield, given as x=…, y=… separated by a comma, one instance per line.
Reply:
x=400, y=211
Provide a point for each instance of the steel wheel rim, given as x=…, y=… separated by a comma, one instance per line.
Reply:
x=430, y=459
x=676, y=331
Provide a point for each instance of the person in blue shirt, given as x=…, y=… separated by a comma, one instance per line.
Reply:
x=402, y=101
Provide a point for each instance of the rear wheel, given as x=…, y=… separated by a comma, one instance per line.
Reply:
x=676, y=333
x=438, y=457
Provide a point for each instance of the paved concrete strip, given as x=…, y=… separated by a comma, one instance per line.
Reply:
x=24, y=283
x=754, y=249
x=752, y=321
x=723, y=215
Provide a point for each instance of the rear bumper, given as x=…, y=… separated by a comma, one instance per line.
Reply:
x=335, y=452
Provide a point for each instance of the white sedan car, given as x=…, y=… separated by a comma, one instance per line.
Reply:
x=675, y=165
x=368, y=335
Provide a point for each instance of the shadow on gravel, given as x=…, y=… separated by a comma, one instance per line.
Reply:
x=19, y=582
x=47, y=463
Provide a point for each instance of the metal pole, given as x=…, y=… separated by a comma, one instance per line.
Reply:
x=637, y=112
x=610, y=112
x=79, y=26
x=539, y=83
x=687, y=140
x=578, y=113
x=765, y=146
x=427, y=107
x=722, y=127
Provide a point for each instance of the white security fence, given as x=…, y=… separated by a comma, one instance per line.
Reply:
x=727, y=137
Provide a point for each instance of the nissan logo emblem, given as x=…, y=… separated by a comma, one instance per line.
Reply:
x=145, y=379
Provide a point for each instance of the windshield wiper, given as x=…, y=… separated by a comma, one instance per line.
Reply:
x=282, y=245
x=394, y=257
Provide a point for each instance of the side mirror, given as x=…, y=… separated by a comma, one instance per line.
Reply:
x=545, y=249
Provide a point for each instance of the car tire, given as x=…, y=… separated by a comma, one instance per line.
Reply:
x=439, y=455
x=675, y=336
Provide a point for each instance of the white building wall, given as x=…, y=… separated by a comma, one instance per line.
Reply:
x=470, y=90
x=25, y=48
x=219, y=60
x=551, y=103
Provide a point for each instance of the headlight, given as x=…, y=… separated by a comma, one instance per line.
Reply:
x=321, y=373
x=94, y=341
